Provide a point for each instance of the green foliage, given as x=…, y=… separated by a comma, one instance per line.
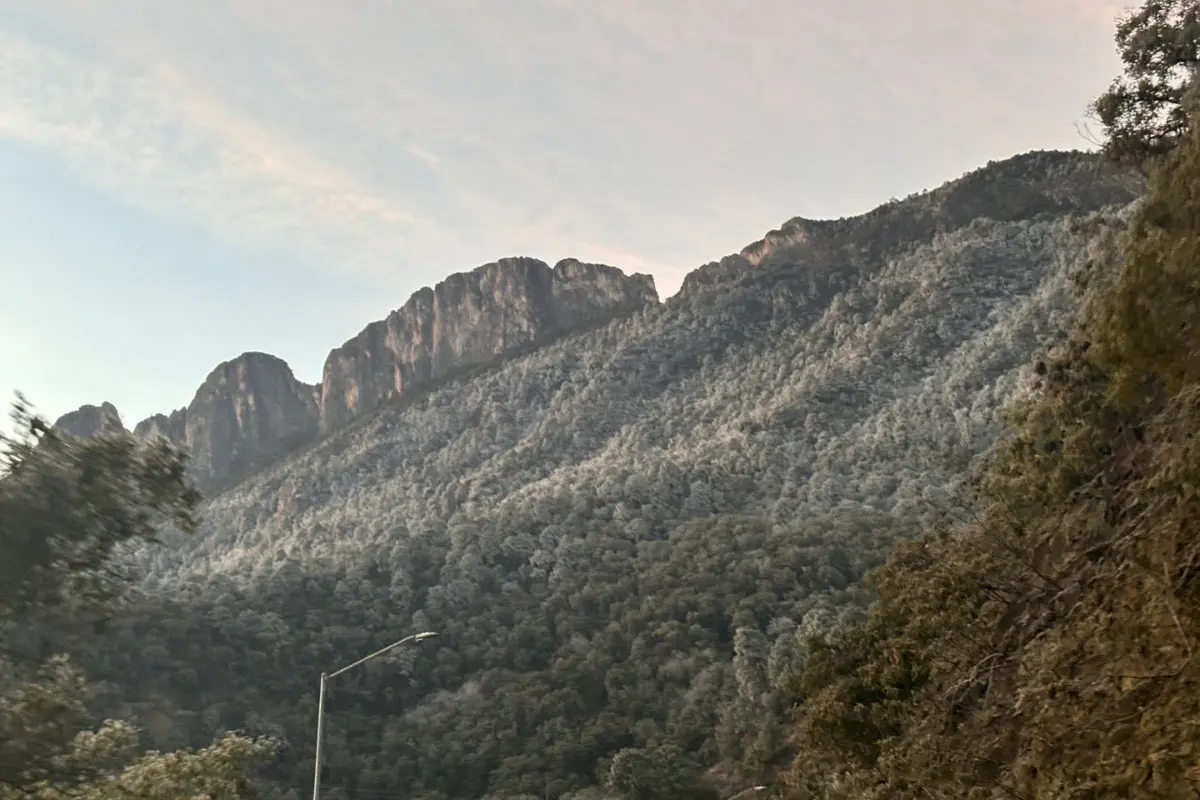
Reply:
x=1148, y=330
x=47, y=752
x=38, y=722
x=68, y=506
x=1145, y=111
x=663, y=772
x=535, y=693
x=628, y=539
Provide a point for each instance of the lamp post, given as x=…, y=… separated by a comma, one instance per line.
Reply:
x=416, y=637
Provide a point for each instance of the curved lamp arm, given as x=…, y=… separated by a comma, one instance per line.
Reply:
x=416, y=637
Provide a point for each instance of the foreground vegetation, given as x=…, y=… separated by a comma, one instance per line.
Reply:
x=66, y=509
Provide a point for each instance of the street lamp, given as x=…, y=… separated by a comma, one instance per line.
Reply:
x=416, y=637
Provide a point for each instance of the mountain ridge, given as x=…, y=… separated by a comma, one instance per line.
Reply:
x=419, y=344
x=801, y=287
x=251, y=409
x=1025, y=185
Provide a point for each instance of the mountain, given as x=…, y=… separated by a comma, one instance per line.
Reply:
x=472, y=320
x=623, y=535
x=89, y=420
x=247, y=411
x=251, y=409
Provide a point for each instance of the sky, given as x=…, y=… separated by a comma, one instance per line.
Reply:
x=184, y=181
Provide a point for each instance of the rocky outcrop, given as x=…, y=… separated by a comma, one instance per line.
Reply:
x=715, y=273
x=252, y=409
x=473, y=319
x=89, y=420
x=247, y=412
x=170, y=426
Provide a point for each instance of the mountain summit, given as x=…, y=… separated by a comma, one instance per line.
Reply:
x=470, y=320
x=251, y=410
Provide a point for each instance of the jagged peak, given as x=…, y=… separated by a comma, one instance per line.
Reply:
x=90, y=420
x=572, y=268
x=796, y=230
x=252, y=359
x=159, y=424
x=505, y=264
x=506, y=306
x=470, y=319
x=251, y=365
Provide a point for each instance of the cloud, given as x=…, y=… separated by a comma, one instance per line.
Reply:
x=423, y=154
x=306, y=125
x=152, y=134
x=434, y=136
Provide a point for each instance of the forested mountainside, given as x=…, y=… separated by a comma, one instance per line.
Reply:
x=626, y=537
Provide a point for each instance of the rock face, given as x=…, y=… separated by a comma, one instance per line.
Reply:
x=248, y=411
x=252, y=409
x=170, y=426
x=90, y=420
x=469, y=320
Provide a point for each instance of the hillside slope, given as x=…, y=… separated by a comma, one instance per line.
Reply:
x=617, y=534
x=1043, y=646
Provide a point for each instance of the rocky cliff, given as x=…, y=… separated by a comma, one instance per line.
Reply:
x=248, y=411
x=473, y=319
x=91, y=420
x=252, y=409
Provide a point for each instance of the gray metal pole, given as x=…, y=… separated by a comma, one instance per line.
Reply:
x=320, y=738
x=416, y=637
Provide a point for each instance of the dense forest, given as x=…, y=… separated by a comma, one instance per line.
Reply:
x=903, y=511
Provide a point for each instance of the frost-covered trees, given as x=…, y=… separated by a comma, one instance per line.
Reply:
x=625, y=537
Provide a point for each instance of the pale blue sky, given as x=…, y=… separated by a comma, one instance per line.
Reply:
x=185, y=180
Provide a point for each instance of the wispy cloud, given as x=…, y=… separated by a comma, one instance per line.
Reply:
x=445, y=134
x=150, y=133
x=394, y=142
